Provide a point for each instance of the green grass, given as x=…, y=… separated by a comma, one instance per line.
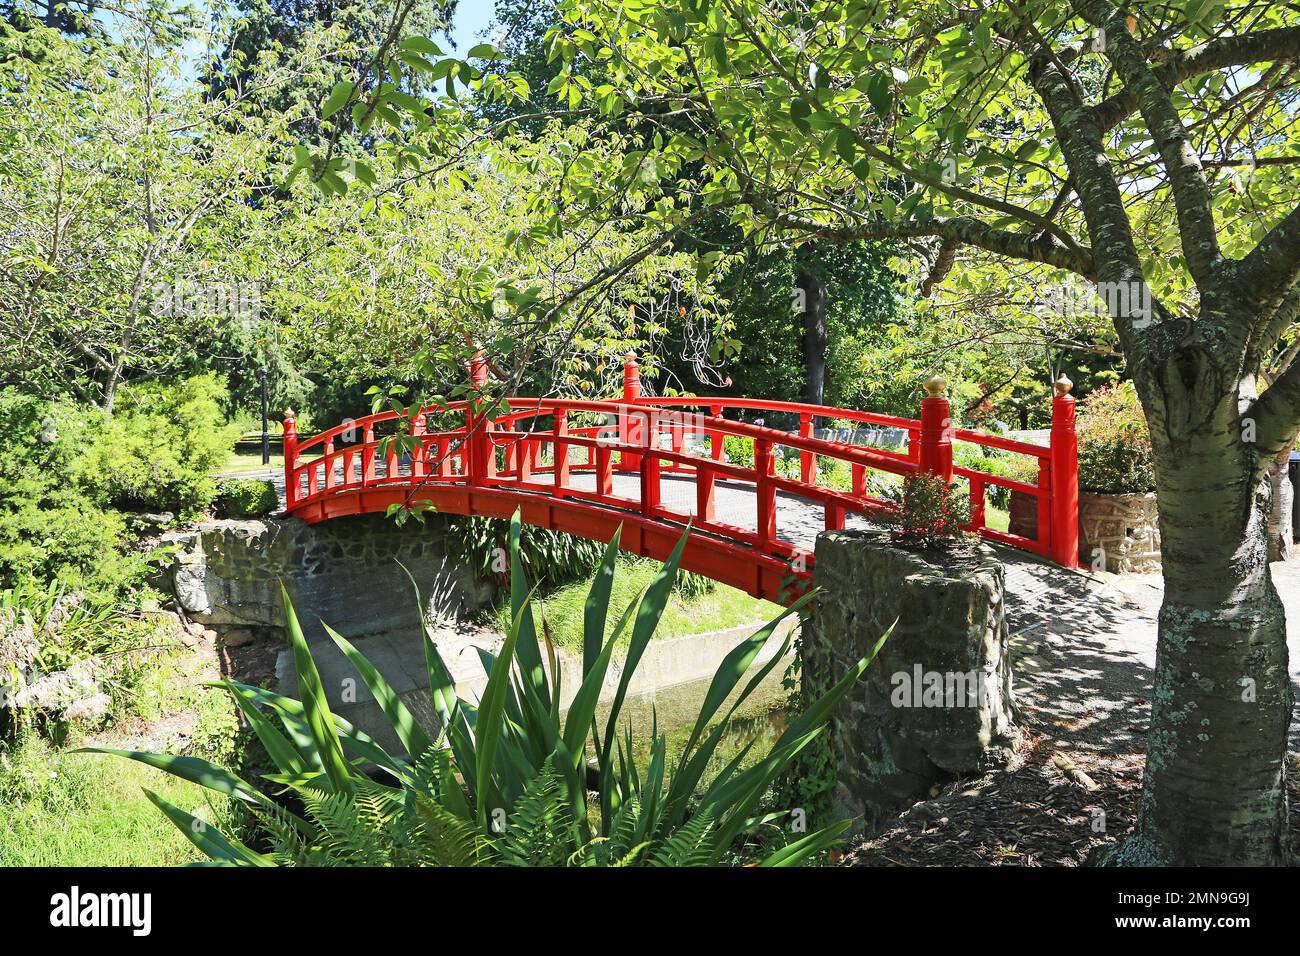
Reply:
x=59, y=808
x=996, y=518
x=243, y=462
x=721, y=608
x=65, y=809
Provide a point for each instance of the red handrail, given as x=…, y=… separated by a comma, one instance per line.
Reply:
x=459, y=469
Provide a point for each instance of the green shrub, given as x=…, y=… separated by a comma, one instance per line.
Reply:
x=159, y=449
x=927, y=512
x=993, y=462
x=691, y=585
x=1114, y=443
x=551, y=557
x=508, y=784
x=50, y=525
x=739, y=450
x=246, y=498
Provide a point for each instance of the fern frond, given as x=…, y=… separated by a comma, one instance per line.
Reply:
x=689, y=845
x=447, y=840
x=540, y=827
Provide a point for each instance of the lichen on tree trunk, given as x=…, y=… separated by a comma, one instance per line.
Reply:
x=1214, y=792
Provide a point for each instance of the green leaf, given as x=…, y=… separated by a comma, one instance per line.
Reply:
x=529, y=653
x=416, y=44
x=337, y=98
x=799, y=112
x=737, y=796
x=734, y=666
x=320, y=720
x=846, y=144
x=193, y=769
x=278, y=747
x=293, y=716
x=796, y=853
x=596, y=608
x=881, y=95
x=412, y=737
x=363, y=172
x=491, y=714
x=206, y=837
x=647, y=621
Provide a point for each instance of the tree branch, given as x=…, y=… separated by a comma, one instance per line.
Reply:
x=1272, y=268
x=1192, y=198
x=1277, y=413
x=961, y=229
x=1115, y=253
x=1181, y=65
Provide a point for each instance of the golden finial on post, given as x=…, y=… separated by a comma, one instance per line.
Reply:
x=935, y=385
x=1063, y=385
x=290, y=415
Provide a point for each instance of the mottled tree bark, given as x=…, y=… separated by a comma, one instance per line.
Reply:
x=1214, y=791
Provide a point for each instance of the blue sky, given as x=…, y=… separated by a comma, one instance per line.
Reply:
x=471, y=19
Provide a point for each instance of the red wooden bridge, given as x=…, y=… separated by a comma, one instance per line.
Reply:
x=657, y=465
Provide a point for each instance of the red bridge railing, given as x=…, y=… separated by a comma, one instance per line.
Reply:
x=588, y=466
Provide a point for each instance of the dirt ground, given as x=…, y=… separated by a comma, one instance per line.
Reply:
x=1083, y=648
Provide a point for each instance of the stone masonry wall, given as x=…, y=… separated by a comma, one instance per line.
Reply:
x=1121, y=530
x=345, y=572
x=937, y=701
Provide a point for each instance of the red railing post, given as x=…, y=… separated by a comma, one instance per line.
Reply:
x=524, y=458
x=418, y=450
x=717, y=441
x=480, y=455
x=604, y=471
x=444, y=458
x=290, y=458
x=807, y=460
x=631, y=426
x=560, y=418
x=1064, y=477
x=368, y=451
x=936, y=431
x=649, y=465
x=706, y=477
x=764, y=491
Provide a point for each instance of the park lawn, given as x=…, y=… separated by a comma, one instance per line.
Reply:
x=59, y=808
x=996, y=518
x=720, y=608
x=243, y=462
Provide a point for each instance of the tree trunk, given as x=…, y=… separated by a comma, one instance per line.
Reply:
x=1281, y=528
x=1214, y=791
x=814, y=339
